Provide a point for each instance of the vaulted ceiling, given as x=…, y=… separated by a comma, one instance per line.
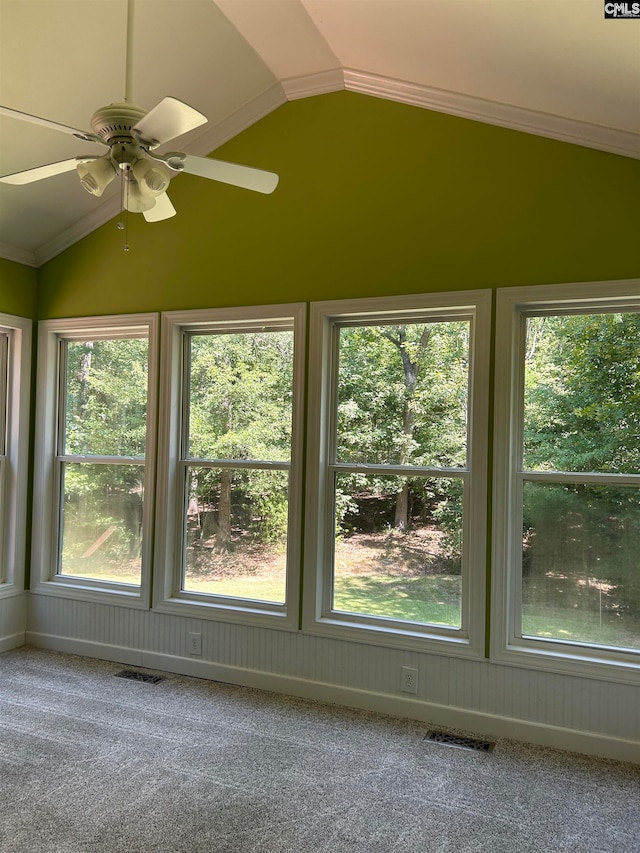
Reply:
x=556, y=68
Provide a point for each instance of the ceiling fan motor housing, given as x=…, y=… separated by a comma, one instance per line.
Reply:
x=116, y=121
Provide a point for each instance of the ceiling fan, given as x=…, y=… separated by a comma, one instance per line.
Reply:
x=131, y=134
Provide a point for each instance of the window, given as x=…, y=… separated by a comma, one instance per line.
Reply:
x=96, y=425
x=15, y=379
x=567, y=514
x=398, y=499
x=231, y=493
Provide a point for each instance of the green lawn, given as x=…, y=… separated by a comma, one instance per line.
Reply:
x=257, y=588
x=433, y=599
x=581, y=626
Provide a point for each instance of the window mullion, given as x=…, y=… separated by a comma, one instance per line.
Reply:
x=249, y=464
x=408, y=470
x=101, y=460
x=593, y=477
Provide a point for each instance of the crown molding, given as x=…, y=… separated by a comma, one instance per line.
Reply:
x=619, y=142
x=314, y=84
x=18, y=254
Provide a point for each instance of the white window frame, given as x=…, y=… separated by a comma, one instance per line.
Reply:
x=168, y=596
x=15, y=389
x=318, y=617
x=514, y=306
x=46, y=509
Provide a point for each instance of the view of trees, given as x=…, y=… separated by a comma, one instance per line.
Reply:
x=583, y=393
x=104, y=415
x=402, y=401
x=240, y=391
x=581, y=578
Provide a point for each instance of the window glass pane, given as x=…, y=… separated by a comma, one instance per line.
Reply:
x=582, y=393
x=236, y=533
x=101, y=521
x=4, y=369
x=580, y=564
x=411, y=574
x=402, y=394
x=4, y=366
x=240, y=396
x=106, y=397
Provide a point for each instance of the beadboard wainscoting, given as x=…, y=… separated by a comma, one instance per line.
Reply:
x=570, y=712
x=13, y=618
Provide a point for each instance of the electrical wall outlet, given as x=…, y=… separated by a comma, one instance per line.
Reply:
x=409, y=680
x=195, y=644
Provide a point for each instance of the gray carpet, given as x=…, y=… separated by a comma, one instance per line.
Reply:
x=89, y=762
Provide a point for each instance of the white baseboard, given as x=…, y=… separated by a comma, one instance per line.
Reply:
x=13, y=641
x=85, y=648
x=557, y=737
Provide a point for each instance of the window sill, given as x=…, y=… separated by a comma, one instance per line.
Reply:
x=419, y=638
x=257, y=614
x=77, y=589
x=583, y=662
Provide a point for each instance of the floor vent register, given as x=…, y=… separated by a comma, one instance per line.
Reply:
x=459, y=742
x=134, y=675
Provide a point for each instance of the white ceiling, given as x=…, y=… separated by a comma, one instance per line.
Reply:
x=552, y=67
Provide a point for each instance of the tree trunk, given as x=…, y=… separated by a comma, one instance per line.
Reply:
x=411, y=371
x=223, y=537
x=401, y=519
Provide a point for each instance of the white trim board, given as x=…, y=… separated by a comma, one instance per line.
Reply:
x=556, y=737
x=18, y=255
x=12, y=641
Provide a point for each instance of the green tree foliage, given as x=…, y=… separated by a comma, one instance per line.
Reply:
x=104, y=415
x=402, y=400
x=392, y=413
x=106, y=397
x=582, y=414
x=240, y=396
x=582, y=393
x=240, y=408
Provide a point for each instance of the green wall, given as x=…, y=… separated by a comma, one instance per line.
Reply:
x=18, y=289
x=375, y=197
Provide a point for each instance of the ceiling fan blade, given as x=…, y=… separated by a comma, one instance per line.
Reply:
x=168, y=119
x=47, y=171
x=162, y=209
x=231, y=173
x=86, y=135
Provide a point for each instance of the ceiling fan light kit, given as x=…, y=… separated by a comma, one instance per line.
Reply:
x=135, y=199
x=96, y=175
x=152, y=178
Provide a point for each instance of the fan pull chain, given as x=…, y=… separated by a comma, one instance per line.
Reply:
x=124, y=225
